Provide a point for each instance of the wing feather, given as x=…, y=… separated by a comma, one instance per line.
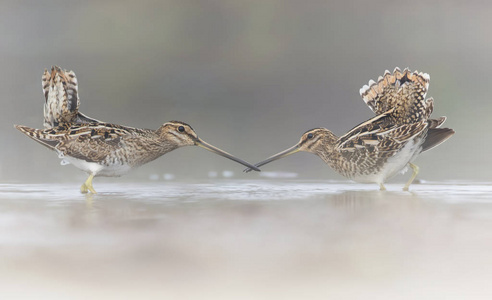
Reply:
x=380, y=134
x=62, y=102
x=89, y=142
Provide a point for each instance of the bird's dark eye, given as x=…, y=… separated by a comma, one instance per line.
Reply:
x=310, y=135
x=181, y=129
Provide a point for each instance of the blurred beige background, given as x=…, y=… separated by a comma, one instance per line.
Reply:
x=249, y=76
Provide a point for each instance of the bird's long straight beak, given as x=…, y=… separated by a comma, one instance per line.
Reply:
x=279, y=155
x=216, y=150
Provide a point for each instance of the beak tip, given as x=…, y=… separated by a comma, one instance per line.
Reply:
x=247, y=170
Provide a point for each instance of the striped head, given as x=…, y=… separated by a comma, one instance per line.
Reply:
x=181, y=134
x=319, y=141
x=178, y=133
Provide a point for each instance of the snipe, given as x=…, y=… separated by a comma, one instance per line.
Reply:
x=98, y=148
x=381, y=147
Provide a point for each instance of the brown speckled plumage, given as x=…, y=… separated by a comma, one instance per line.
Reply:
x=103, y=149
x=383, y=146
x=60, y=88
x=108, y=144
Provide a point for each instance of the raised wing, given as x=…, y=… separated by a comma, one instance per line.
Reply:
x=62, y=101
x=61, y=97
x=404, y=91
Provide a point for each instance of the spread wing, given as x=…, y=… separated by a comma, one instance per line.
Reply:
x=403, y=91
x=60, y=88
x=398, y=98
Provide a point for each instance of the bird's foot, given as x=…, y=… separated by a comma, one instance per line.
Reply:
x=415, y=170
x=84, y=189
x=87, y=186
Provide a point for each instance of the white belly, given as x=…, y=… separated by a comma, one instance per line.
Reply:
x=394, y=165
x=97, y=169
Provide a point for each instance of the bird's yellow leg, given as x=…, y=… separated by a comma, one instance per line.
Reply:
x=415, y=169
x=382, y=187
x=87, y=185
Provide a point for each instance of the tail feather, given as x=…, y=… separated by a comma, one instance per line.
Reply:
x=435, y=137
x=436, y=123
x=39, y=136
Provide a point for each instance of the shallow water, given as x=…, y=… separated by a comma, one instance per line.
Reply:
x=233, y=239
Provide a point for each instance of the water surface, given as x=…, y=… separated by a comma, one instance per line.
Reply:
x=224, y=239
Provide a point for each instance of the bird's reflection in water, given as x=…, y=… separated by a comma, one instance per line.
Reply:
x=363, y=199
x=89, y=201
